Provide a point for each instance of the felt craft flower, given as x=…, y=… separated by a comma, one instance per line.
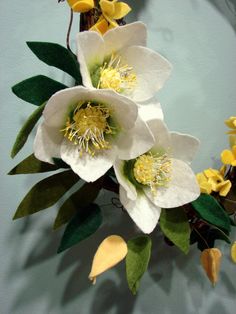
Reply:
x=228, y=157
x=89, y=129
x=81, y=5
x=231, y=123
x=120, y=61
x=160, y=178
x=111, y=11
x=212, y=180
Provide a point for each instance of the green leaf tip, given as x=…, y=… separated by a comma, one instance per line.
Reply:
x=137, y=260
x=83, y=225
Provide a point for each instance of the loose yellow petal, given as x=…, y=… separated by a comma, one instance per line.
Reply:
x=233, y=252
x=231, y=122
x=227, y=157
x=81, y=5
x=107, y=7
x=232, y=140
x=121, y=10
x=224, y=187
x=101, y=26
x=110, y=252
x=210, y=260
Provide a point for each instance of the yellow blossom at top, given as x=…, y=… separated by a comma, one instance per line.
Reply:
x=81, y=5
x=231, y=123
x=111, y=11
x=228, y=157
x=212, y=180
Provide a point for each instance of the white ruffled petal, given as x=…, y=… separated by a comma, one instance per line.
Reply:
x=182, y=189
x=47, y=143
x=91, y=49
x=123, y=180
x=161, y=135
x=135, y=141
x=184, y=147
x=151, y=69
x=143, y=212
x=150, y=110
x=87, y=167
x=125, y=36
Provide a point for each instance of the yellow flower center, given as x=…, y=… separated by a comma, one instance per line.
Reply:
x=87, y=127
x=114, y=75
x=153, y=170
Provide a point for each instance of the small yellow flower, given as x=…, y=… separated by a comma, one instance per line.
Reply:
x=228, y=157
x=231, y=123
x=212, y=180
x=111, y=11
x=81, y=5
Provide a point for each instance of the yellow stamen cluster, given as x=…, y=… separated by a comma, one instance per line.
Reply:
x=114, y=75
x=212, y=180
x=87, y=128
x=153, y=170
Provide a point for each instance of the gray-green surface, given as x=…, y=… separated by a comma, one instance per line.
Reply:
x=198, y=37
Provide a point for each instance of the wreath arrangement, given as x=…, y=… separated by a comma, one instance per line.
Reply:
x=107, y=132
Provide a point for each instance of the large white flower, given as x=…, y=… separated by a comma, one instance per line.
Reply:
x=89, y=129
x=119, y=60
x=160, y=178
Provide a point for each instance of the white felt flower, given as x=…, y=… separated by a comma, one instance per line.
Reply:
x=160, y=178
x=89, y=129
x=119, y=60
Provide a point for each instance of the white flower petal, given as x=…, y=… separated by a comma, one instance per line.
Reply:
x=55, y=112
x=183, y=187
x=90, y=47
x=184, y=146
x=123, y=180
x=161, y=135
x=47, y=143
x=135, y=141
x=87, y=167
x=150, y=110
x=151, y=68
x=143, y=212
x=124, y=36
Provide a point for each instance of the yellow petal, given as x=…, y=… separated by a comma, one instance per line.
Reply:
x=210, y=260
x=223, y=170
x=209, y=173
x=231, y=122
x=107, y=7
x=224, y=187
x=121, y=10
x=110, y=252
x=232, y=140
x=101, y=26
x=233, y=252
x=81, y=5
x=227, y=157
x=234, y=151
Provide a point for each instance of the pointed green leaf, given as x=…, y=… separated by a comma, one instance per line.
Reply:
x=46, y=193
x=210, y=210
x=137, y=259
x=57, y=56
x=77, y=202
x=26, y=130
x=84, y=224
x=175, y=226
x=32, y=165
x=37, y=89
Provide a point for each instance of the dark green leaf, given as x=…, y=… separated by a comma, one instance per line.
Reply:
x=32, y=165
x=232, y=222
x=26, y=130
x=210, y=210
x=57, y=56
x=37, y=89
x=77, y=202
x=175, y=226
x=84, y=224
x=137, y=259
x=60, y=163
x=46, y=193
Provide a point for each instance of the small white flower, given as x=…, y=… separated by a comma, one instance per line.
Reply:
x=89, y=129
x=160, y=178
x=119, y=60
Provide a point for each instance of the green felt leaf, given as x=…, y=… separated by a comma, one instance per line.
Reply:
x=175, y=226
x=77, y=202
x=37, y=89
x=137, y=259
x=46, y=193
x=210, y=210
x=57, y=56
x=26, y=130
x=84, y=224
x=32, y=165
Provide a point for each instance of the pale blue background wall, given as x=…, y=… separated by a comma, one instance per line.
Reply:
x=198, y=37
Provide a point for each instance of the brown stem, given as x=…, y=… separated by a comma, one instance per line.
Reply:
x=69, y=31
